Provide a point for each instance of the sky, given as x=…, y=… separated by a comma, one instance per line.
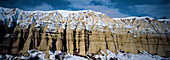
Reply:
x=112, y=8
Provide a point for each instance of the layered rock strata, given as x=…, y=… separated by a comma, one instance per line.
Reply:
x=81, y=32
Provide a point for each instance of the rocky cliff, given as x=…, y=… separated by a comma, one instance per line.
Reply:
x=81, y=33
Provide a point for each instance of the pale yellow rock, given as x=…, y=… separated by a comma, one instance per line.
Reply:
x=16, y=43
x=82, y=42
x=94, y=40
x=142, y=34
x=47, y=49
x=43, y=42
x=27, y=43
x=59, y=41
x=69, y=39
x=36, y=38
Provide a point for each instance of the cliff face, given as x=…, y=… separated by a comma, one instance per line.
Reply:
x=81, y=32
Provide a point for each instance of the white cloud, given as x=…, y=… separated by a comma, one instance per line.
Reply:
x=153, y=10
x=106, y=10
x=85, y=4
x=43, y=6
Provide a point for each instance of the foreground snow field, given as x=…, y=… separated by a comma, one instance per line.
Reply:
x=35, y=54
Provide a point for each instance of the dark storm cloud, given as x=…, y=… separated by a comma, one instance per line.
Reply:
x=153, y=8
x=24, y=4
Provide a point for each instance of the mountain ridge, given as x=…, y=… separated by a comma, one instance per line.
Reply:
x=80, y=32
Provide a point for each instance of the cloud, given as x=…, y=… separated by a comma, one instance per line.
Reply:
x=153, y=10
x=106, y=10
x=43, y=7
x=109, y=11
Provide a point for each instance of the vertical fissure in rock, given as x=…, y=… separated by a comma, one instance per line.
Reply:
x=74, y=41
x=105, y=40
x=21, y=44
x=88, y=43
x=39, y=36
x=85, y=40
x=64, y=40
x=53, y=44
x=114, y=42
x=117, y=37
x=46, y=38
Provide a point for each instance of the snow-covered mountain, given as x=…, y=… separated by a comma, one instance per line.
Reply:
x=82, y=32
x=77, y=19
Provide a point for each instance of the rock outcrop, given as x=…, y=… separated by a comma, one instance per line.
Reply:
x=81, y=32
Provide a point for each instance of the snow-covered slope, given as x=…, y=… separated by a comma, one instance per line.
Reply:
x=76, y=19
x=34, y=54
